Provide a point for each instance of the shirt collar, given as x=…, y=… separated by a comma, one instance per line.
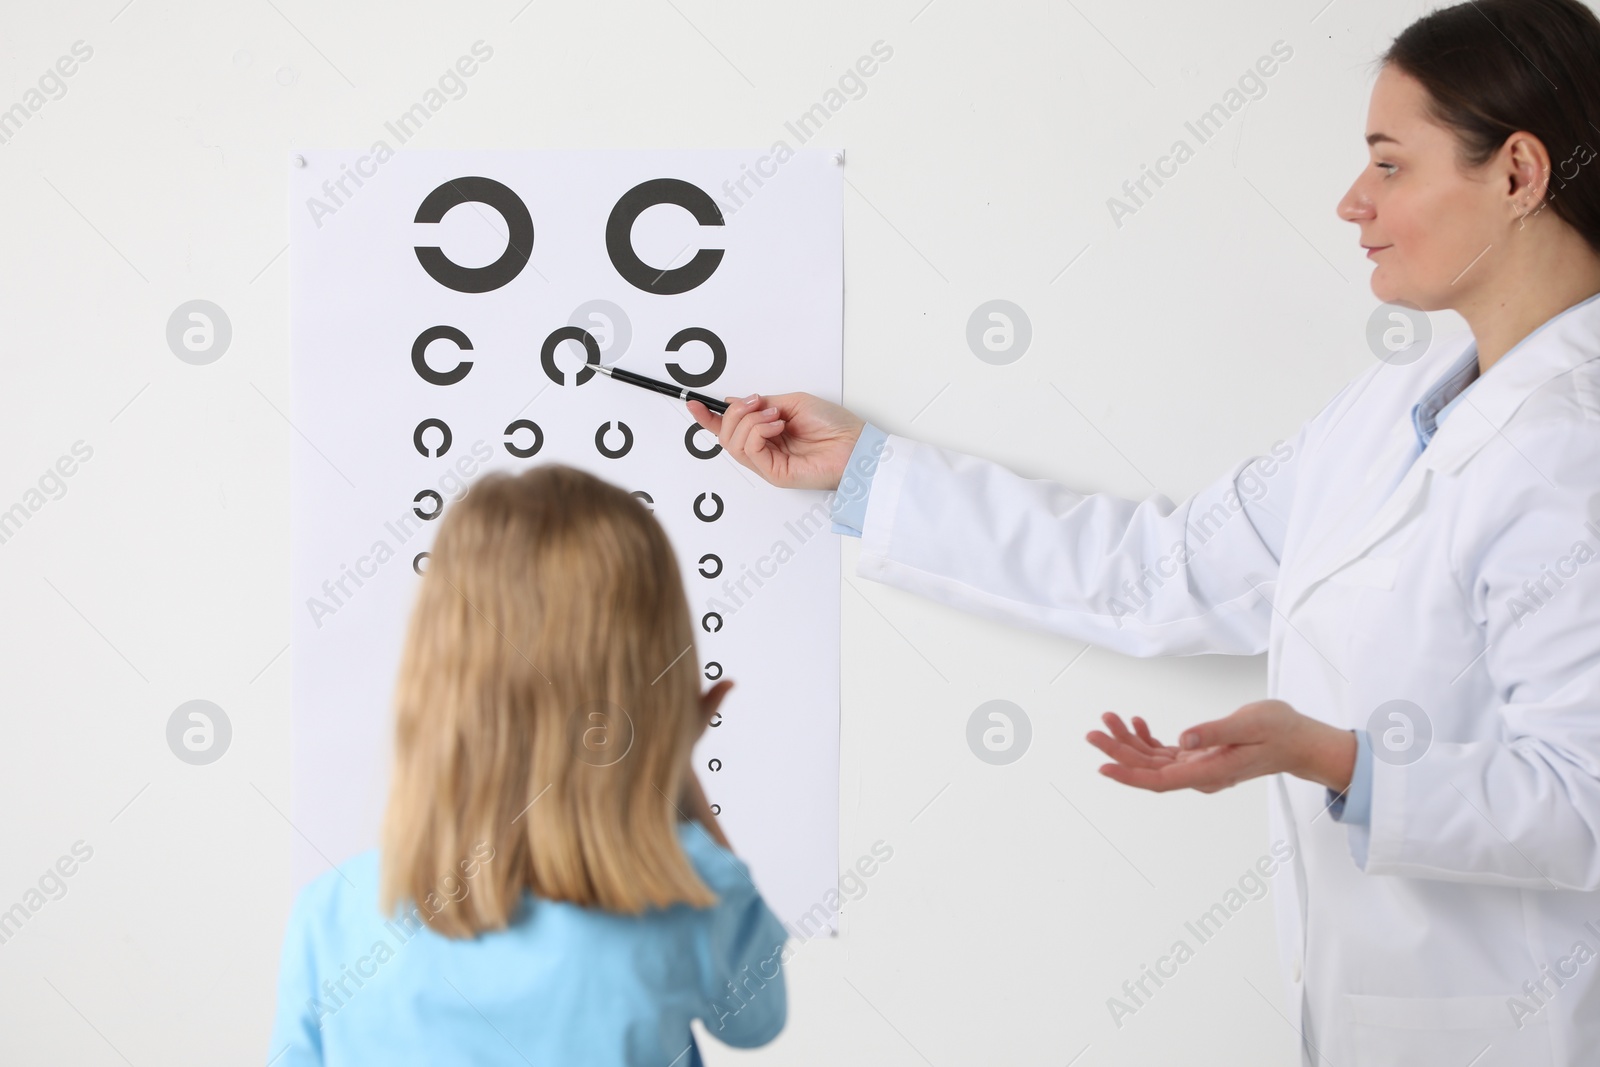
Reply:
x=1425, y=413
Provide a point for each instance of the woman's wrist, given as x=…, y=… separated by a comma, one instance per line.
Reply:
x=844, y=467
x=1328, y=757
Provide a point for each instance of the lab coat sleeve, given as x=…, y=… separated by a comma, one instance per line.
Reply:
x=1144, y=578
x=1521, y=809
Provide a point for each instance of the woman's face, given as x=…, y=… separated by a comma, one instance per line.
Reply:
x=1427, y=223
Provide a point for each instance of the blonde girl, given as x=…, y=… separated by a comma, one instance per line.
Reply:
x=551, y=887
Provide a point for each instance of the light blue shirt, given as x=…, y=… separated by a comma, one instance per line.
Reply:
x=562, y=984
x=849, y=506
x=1354, y=806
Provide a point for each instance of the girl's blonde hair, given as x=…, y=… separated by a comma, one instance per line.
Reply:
x=546, y=706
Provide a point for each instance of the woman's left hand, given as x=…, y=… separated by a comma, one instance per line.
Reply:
x=1266, y=737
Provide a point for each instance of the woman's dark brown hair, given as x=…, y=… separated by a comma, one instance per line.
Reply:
x=1493, y=67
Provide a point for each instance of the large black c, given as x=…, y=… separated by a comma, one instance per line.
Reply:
x=619, y=236
x=519, y=238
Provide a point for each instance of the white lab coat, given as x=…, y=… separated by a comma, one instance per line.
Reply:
x=1483, y=870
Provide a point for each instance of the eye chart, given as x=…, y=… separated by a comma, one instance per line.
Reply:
x=444, y=305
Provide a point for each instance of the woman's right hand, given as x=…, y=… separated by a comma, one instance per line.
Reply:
x=793, y=440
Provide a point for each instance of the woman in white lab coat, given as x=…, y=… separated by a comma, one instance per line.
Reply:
x=1420, y=562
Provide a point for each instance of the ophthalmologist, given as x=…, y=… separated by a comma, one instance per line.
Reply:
x=1420, y=563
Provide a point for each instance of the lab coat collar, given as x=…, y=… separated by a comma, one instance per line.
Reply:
x=1565, y=341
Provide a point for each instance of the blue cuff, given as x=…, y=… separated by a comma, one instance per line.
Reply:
x=848, y=509
x=1354, y=807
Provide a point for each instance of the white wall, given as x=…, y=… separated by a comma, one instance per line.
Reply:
x=980, y=159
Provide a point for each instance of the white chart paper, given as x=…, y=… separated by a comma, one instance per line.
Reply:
x=369, y=427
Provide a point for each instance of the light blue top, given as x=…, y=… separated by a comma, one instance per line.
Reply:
x=561, y=985
x=1354, y=806
x=849, y=505
x=1447, y=392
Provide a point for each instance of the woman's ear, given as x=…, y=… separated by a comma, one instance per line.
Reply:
x=1528, y=165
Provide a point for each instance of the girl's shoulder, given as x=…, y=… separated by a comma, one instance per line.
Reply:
x=723, y=873
x=339, y=893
